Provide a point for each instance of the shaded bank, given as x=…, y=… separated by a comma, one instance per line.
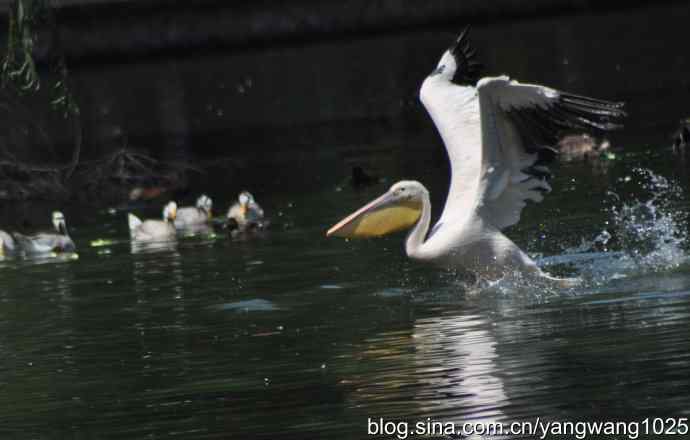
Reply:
x=271, y=83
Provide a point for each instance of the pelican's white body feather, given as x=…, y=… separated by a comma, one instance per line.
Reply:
x=488, y=188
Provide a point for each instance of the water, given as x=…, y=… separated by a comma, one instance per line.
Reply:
x=292, y=335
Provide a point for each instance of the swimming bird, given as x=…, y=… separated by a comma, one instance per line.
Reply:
x=498, y=134
x=45, y=242
x=154, y=230
x=245, y=214
x=7, y=244
x=195, y=215
x=576, y=147
x=681, y=138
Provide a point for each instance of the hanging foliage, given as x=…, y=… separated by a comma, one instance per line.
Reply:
x=19, y=67
x=19, y=76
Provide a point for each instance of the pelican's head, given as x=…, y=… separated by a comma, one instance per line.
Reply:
x=204, y=202
x=59, y=222
x=399, y=208
x=170, y=212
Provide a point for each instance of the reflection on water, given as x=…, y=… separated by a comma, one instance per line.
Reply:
x=291, y=335
x=148, y=247
x=201, y=230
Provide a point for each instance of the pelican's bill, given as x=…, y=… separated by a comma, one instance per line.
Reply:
x=382, y=216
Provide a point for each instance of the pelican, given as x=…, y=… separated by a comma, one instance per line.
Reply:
x=498, y=134
x=195, y=215
x=245, y=214
x=45, y=242
x=154, y=230
x=7, y=244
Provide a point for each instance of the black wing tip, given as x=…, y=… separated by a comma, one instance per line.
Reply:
x=468, y=68
x=585, y=112
x=539, y=170
x=463, y=35
x=598, y=106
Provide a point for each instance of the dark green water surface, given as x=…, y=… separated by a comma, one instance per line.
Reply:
x=292, y=335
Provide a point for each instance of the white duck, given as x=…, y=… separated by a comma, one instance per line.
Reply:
x=45, y=242
x=154, y=230
x=245, y=214
x=7, y=244
x=195, y=215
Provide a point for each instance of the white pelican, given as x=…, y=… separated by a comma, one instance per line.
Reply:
x=245, y=214
x=498, y=134
x=45, y=242
x=195, y=215
x=154, y=230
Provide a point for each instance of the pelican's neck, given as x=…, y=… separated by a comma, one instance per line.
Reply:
x=415, y=238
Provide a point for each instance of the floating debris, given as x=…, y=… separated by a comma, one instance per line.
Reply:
x=101, y=242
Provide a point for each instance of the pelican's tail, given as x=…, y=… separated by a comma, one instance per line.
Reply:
x=134, y=222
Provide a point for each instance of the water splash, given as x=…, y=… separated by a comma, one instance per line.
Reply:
x=651, y=233
x=645, y=233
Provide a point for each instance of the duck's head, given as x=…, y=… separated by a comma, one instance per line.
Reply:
x=398, y=209
x=245, y=199
x=59, y=222
x=170, y=212
x=204, y=202
x=682, y=138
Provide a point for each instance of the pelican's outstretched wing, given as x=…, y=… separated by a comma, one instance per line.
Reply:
x=499, y=134
x=521, y=124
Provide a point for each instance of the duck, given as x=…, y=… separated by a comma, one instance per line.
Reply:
x=581, y=147
x=195, y=215
x=154, y=230
x=45, y=242
x=245, y=214
x=7, y=244
x=681, y=138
